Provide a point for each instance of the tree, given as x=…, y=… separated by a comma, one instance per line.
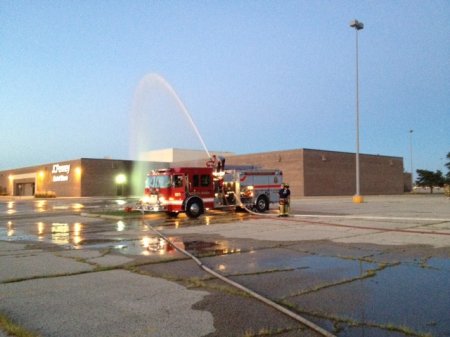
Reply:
x=430, y=179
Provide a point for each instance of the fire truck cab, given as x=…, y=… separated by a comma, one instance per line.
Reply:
x=194, y=190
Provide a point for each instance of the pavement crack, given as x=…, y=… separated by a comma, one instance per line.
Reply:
x=268, y=271
x=271, y=331
x=367, y=274
x=339, y=323
x=41, y=277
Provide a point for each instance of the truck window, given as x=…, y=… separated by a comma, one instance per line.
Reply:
x=157, y=181
x=196, y=181
x=178, y=181
x=205, y=180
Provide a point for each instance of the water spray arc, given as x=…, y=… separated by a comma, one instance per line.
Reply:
x=152, y=127
x=156, y=78
x=185, y=110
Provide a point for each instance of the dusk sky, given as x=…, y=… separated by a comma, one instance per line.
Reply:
x=255, y=76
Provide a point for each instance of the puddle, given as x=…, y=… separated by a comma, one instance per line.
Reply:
x=400, y=297
x=411, y=295
x=97, y=242
x=255, y=261
x=129, y=237
x=56, y=232
x=319, y=264
x=154, y=245
x=284, y=273
x=15, y=235
x=29, y=205
x=148, y=246
x=397, y=300
x=211, y=248
x=438, y=263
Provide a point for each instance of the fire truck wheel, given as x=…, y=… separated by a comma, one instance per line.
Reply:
x=262, y=204
x=194, y=208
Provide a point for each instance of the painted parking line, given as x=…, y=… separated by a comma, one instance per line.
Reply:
x=368, y=217
x=381, y=229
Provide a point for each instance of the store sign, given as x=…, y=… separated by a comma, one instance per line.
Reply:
x=60, y=172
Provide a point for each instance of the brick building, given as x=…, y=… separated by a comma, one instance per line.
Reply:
x=75, y=178
x=309, y=173
x=319, y=173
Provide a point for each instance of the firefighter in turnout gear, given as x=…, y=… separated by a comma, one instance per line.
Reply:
x=285, y=198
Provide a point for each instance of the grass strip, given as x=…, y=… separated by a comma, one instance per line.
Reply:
x=337, y=320
x=13, y=329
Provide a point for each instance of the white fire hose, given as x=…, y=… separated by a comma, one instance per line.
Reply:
x=250, y=292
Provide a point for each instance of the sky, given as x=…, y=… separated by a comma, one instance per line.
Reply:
x=255, y=76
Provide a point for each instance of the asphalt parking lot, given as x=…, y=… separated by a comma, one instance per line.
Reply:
x=380, y=268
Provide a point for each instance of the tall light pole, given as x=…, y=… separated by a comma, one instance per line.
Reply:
x=411, y=156
x=357, y=198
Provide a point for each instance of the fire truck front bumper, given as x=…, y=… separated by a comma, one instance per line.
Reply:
x=151, y=206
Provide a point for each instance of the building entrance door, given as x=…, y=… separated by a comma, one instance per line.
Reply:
x=24, y=189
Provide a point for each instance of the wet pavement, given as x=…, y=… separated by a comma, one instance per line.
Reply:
x=375, y=269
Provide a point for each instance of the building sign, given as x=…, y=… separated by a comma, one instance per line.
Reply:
x=60, y=172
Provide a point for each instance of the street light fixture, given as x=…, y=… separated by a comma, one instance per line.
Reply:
x=121, y=180
x=357, y=198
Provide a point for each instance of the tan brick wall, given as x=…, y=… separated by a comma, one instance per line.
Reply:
x=334, y=173
x=86, y=177
x=98, y=177
x=381, y=175
x=317, y=172
x=407, y=182
x=44, y=179
x=69, y=188
x=309, y=173
x=329, y=173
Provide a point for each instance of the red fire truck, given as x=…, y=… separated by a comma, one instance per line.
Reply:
x=194, y=190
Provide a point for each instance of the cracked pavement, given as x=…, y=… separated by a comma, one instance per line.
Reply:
x=376, y=269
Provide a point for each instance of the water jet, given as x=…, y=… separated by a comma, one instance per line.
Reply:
x=159, y=120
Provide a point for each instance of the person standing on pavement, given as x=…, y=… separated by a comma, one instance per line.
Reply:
x=285, y=197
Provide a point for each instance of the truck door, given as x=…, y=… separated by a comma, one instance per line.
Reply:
x=179, y=185
x=202, y=184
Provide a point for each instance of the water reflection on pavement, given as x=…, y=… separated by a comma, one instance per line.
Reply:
x=350, y=289
x=129, y=236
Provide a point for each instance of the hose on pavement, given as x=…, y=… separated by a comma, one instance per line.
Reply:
x=250, y=292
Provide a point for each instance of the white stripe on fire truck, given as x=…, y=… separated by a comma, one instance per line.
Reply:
x=173, y=202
